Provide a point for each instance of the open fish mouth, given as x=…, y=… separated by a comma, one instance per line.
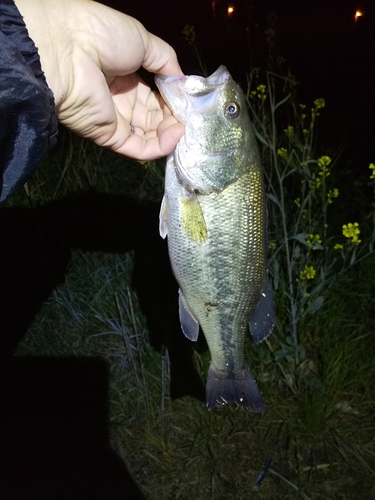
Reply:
x=186, y=95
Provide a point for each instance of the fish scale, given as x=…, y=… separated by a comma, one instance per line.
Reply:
x=214, y=215
x=237, y=281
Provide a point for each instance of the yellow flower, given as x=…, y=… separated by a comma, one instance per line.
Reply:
x=272, y=245
x=289, y=132
x=332, y=193
x=319, y=103
x=323, y=163
x=261, y=92
x=372, y=168
x=270, y=34
x=255, y=71
x=308, y=273
x=311, y=240
x=189, y=33
x=338, y=246
x=317, y=183
x=351, y=231
x=283, y=153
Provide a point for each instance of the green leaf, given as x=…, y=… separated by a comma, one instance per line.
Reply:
x=316, y=304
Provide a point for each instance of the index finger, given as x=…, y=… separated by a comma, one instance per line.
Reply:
x=160, y=57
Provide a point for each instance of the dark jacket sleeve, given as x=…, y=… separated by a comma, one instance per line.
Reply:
x=28, y=124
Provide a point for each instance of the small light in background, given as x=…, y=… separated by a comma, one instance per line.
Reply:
x=230, y=10
x=357, y=15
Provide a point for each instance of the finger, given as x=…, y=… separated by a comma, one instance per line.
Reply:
x=145, y=148
x=142, y=48
x=136, y=102
x=150, y=110
x=160, y=58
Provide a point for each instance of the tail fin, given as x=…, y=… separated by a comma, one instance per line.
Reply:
x=233, y=387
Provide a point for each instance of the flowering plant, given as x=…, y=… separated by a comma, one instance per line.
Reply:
x=306, y=252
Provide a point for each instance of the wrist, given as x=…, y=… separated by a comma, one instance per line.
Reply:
x=43, y=19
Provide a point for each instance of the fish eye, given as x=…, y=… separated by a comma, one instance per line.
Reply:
x=232, y=109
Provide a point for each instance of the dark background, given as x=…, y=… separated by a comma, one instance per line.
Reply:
x=330, y=54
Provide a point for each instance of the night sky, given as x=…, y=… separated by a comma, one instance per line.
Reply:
x=331, y=55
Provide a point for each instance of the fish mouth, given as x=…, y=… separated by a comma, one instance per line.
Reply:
x=185, y=95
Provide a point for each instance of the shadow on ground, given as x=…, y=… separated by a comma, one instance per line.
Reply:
x=55, y=410
x=53, y=432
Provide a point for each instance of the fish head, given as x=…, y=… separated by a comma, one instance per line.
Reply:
x=218, y=132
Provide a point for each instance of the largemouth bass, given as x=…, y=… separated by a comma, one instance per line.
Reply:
x=214, y=214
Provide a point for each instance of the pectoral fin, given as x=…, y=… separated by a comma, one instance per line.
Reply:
x=163, y=228
x=189, y=325
x=192, y=219
x=263, y=319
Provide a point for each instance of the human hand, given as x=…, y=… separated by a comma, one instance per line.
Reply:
x=90, y=54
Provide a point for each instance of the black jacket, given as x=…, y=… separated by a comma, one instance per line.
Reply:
x=28, y=124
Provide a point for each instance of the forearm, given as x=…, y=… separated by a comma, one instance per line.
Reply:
x=43, y=19
x=28, y=125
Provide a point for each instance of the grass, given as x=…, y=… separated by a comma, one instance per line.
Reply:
x=318, y=427
x=321, y=441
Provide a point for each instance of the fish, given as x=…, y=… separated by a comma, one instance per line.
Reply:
x=214, y=216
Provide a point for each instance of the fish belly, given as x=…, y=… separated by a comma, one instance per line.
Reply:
x=221, y=270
